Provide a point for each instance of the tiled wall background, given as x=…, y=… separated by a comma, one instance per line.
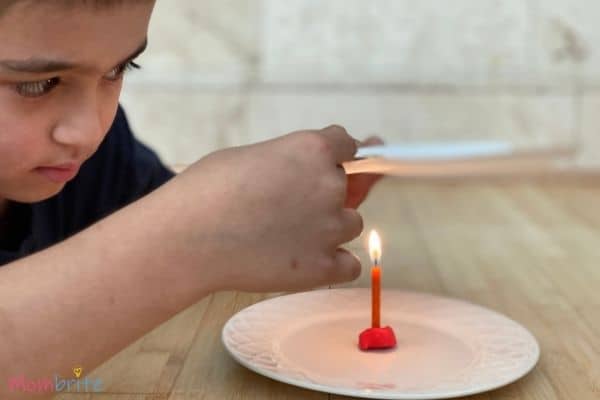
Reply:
x=228, y=72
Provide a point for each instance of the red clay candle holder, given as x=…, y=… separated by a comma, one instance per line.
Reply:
x=377, y=338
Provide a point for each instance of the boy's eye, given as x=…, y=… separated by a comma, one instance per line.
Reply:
x=40, y=88
x=116, y=73
x=37, y=88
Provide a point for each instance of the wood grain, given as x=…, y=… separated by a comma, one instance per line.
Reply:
x=528, y=249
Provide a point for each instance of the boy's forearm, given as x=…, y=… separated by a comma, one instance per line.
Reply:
x=83, y=300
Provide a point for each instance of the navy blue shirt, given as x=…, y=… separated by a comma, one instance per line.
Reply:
x=121, y=171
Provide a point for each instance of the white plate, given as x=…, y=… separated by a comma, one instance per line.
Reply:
x=446, y=348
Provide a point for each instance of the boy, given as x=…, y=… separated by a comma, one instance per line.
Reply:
x=95, y=233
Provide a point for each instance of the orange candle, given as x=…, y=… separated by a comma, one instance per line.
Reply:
x=376, y=296
x=375, y=253
x=376, y=337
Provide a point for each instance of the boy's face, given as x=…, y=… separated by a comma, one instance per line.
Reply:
x=60, y=78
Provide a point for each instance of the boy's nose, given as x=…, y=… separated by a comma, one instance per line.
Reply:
x=80, y=128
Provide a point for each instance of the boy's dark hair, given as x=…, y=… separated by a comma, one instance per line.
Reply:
x=6, y=4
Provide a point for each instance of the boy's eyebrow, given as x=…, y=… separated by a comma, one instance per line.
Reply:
x=38, y=65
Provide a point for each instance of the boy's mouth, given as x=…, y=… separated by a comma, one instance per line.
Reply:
x=59, y=173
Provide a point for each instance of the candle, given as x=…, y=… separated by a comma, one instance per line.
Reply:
x=376, y=337
x=375, y=253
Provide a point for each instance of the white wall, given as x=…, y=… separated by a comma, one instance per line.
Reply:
x=228, y=72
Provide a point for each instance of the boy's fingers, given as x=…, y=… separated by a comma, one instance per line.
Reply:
x=352, y=224
x=346, y=267
x=342, y=144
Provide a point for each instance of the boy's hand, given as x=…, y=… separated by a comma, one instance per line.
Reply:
x=278, y=212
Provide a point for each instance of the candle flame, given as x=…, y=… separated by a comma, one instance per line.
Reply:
x=374, y=247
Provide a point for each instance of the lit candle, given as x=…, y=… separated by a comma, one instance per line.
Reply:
x=376, y=337
x=375, y=253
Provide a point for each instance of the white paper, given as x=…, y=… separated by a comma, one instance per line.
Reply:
x=437, y=151
x=454, y=159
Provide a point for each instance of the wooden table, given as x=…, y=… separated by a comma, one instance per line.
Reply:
x=530, y=250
